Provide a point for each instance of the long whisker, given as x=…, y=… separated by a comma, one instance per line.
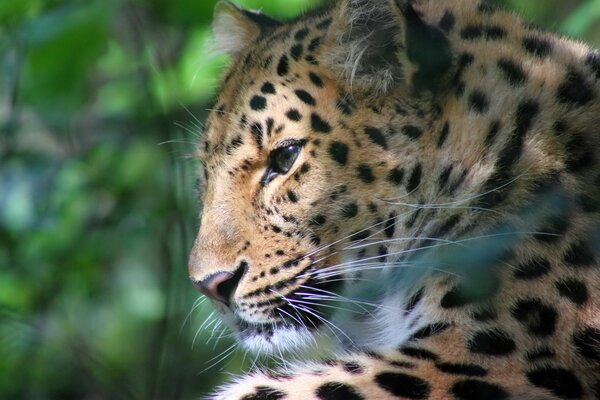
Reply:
x=219, y=358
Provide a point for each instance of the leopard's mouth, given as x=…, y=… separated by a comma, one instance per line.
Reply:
x=299, y=318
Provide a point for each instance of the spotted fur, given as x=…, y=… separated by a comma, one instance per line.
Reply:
x=440, y=223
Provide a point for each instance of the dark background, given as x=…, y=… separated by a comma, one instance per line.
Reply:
x=101, y=102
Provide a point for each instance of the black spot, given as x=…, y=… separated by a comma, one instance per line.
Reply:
x=413, y=301
x=265, y=393
x=559, y=381
x=473, y=389
x=592, y=60
x=395, y=176
x=318, y=124
x=470, y=292
x=293, y=115
x=304, y=168
x=446, y=227
x=258, y=103
x=236, y=142
x=292, y=196
x=447, y=22
x=243, y=121
x=464, y=61
x=315, y=240
x=421, y=354
x=588, y=203
x=353, y=368
x=492, y=342
x=267, y=62
x=430, y=330
x=275, y=229
x=532, y=269
x=492, y=133
x=360, y=235
x=376, y=136
x=372, y=208
x=537, y=46
x=314, y=44
x=365, y=173
x=314, y=78
x=301, y=34
x=337, y=191
x=373, y=355
x=537, y=317
x=478, y=102
x=579, y=255
x=283, y=66
x=496, y=189
x=495, y=32
x=305, y=97
x=350, y=210
x=539, y=353
x=513, y=72
x=588, y=343
x=575, y=90
x=462, y=369
x=526, y=111
x=484, y=315
x=443, y=135
x=256, y=130
x=280, y=252
x=573, y=289
x=471, y=32
x=415, y=178
x=339, y=152
x=296, y=51
x=559, y=127
x=344, y=105
x=318, y=220
x=580, y=155
x=311, y=60
x=267, y=88
x=552, y=231
x=324, y=24
x=337, y=391
x=412, y=132
x=403, y=385
x=444, y=176
x=389, y=226
x=486, y=8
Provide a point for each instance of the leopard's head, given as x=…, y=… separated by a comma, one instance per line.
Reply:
x=316, y=140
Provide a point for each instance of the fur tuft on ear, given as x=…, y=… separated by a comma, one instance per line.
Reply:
x=235, y=29
x=365, y=34
x=380, y=44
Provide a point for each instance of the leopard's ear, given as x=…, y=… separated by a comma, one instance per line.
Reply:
x=381, y=44
x=235, y=28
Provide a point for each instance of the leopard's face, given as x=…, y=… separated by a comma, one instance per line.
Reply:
x=295, y=200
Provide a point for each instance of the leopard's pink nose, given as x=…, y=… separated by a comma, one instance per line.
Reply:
x=219, y=286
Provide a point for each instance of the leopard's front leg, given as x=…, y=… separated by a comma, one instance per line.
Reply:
x=409, y=373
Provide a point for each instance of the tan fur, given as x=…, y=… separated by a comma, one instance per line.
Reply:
x=239, y=213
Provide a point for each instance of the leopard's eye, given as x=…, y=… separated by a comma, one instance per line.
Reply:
x=283, y=158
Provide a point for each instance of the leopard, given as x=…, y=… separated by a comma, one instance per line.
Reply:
x=400, y=200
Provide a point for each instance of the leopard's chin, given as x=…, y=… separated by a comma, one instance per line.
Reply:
x=273, y=339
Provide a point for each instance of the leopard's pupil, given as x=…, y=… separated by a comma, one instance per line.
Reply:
x=286, y=157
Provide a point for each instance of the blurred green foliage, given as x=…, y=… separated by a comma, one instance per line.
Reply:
x=100, y=102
